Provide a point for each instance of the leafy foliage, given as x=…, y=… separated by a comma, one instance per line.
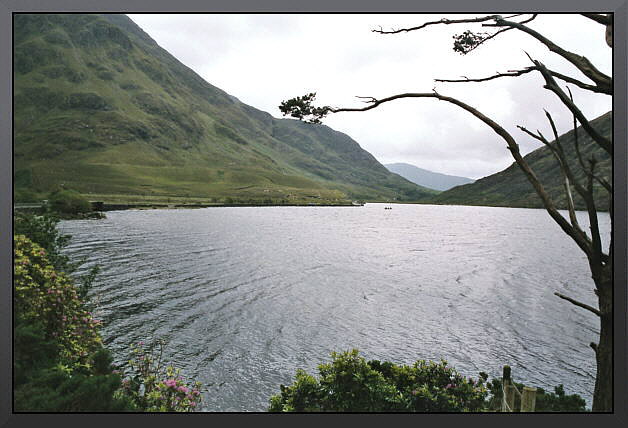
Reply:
x=152, y=387
x=302, y=108
x=53, y=389
x=69, y=202
x=42, y=230
x=350, y=383
x=467, y=41
x=47, y=297
x=556, y=401
x=60, y=364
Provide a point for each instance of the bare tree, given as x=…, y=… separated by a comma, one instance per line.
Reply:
x=600, y=262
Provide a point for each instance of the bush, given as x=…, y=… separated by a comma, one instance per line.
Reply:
x=54, y=390
x=60, y=363
x=49, y=298
x=152, y=388
x=42, y=230
x=69, y=202
x=350, y=383
x=24, y=195
x=557, y=401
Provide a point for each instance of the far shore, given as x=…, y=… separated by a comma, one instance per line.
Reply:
x=103, y=206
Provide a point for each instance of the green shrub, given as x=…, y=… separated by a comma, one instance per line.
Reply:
x=42, y=230
x=351, y=384
x=556, y=401
x=24, y=195
x=59, y=361
x=52, y=389
x=69, y=202
x=153, y=388
x=49, y=298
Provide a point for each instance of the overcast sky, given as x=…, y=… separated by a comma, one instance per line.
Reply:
x=264, y=59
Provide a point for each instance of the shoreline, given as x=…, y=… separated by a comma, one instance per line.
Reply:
x=104, y=207
x=122, y=207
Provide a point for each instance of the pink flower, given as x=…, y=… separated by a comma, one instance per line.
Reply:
x=192, y=404
x=183, y=389
x=171, y=383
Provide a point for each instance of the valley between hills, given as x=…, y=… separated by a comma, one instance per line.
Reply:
x=102, y=109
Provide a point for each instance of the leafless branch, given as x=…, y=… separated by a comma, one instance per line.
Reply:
x=587, y=196
x=516, y=73
x=489, y=38
x=512, y=146
x=580, y=304
x=598, y=256
x=440, y=21
x=600, y=180
x=510, y=73
x=561, y=154
x=604, y=142
x=592, y=88
x=602, y=81
x=562, y=163
x=581, y=63
x=599, y=18
x=367, y=99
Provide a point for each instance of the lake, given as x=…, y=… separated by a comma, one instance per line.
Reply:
x=245, y=296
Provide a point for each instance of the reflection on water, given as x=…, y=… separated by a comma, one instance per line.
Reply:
x=245, y=296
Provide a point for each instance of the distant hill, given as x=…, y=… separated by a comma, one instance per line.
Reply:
x=425, y=178
x=511, y=188
x=100, y=108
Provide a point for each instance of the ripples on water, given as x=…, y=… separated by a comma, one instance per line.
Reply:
x=245, y=296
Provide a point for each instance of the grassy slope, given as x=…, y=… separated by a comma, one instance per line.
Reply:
x=511, y=188
x=101, y=108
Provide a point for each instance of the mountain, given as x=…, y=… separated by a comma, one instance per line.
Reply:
x=425, y=178
x=511, y=188
x=100, y=108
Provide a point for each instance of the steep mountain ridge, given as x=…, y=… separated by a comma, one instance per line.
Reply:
x=101, y=108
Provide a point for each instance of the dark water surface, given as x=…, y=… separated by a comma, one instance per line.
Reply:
x=245, y=296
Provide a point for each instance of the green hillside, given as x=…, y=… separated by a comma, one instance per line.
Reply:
x=100, y=108
x=511, y=188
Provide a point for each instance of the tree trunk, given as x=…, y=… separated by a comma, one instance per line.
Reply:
x=603, y=393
